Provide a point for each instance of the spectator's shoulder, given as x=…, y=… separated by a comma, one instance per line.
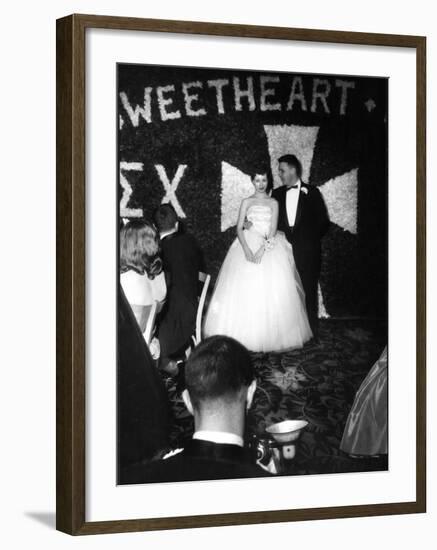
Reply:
x=185, y=242
x=188, y=238
x=174, y=239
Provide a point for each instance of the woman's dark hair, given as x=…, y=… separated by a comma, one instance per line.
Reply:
x=292, y=160
x=263, y=170
x=140, y=249
x=218, y=369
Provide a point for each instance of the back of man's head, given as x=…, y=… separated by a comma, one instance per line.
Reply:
x=166, y=217
x=219, y=369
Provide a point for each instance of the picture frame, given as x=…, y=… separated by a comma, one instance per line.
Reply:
x=71, y=410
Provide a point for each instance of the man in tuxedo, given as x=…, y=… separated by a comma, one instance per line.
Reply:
x=304, y=219
x=182, y=261
x=220, y=385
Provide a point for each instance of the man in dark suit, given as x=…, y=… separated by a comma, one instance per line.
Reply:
x=304, y=219
x=220, y=385
x=182, y=261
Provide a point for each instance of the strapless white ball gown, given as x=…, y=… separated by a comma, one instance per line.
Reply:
x=260, y=305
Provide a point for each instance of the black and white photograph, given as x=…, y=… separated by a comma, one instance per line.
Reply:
x=218, y=288
x=253, y=260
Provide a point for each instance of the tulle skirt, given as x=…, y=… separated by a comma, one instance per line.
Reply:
x=366, y=427
x=260, y=305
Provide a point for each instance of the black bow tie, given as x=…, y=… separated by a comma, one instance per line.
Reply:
x=292, y=187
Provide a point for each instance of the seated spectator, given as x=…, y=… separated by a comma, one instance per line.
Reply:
x=220, y=385
x=141, y=274
x=182, y=262
x=365, y=433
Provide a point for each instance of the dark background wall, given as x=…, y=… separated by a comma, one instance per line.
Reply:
x=342, y=138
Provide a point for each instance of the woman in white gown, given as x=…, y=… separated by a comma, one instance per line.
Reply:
x=258, y=298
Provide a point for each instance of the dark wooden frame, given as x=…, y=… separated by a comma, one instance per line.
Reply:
x=70, y=298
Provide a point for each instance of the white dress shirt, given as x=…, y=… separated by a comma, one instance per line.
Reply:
x=291, y=203
x=219, y=437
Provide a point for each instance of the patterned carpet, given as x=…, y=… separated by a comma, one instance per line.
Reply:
x=317, y=383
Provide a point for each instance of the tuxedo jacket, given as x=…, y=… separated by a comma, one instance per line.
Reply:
x=311, y=224
x=182, y=261
x=199, y=460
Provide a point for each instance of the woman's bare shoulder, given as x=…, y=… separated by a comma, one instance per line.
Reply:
x=247, y=201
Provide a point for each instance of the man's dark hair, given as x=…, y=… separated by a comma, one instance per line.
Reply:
x=218, y=368
x=165, y=217
x=292, y=160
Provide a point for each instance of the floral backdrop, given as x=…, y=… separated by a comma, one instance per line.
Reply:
x=191, y=137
